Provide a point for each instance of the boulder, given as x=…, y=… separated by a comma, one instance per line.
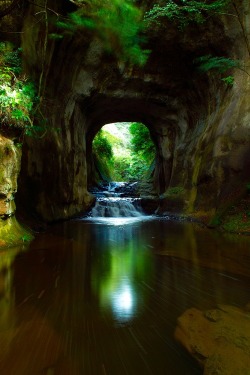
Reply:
x=219, y=339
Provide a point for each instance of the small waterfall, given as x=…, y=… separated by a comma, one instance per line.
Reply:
x=109, y=203
x=115, y=207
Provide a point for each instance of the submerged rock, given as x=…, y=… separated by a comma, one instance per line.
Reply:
x=218, y=339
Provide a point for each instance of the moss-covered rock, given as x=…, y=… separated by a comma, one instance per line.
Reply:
x=10, y=159
x=12, y=233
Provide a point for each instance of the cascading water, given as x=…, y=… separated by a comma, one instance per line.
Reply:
x=115, y=207
x=112, y=203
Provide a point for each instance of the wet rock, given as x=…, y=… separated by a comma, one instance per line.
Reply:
x=218, y=339
x=11, y=232
x=10, y=158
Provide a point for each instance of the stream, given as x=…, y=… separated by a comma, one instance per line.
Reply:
x=100, y=295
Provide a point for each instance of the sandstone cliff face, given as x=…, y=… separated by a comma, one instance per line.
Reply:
x=10, y=160
x=199, y=125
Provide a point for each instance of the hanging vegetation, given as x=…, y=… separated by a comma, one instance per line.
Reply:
x=117, y=23
x=17, y=93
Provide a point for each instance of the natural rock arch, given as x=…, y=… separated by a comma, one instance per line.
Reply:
x=110, y=110
x=195, y=120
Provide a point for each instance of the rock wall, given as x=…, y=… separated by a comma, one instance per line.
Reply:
x=10, y=161
x=199, y=124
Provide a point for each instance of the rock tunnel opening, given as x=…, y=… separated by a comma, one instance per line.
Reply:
x=162, y=125
x=122, y=152
x=189, y=115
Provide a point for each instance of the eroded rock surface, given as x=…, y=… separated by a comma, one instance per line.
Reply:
x=10, y=158
x=218, y=339
x=199, y=124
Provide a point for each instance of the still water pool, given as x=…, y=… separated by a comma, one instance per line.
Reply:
x=102, y=296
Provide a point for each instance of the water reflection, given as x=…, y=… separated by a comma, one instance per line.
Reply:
x=115, y=276
x=28, y=343
x=7, y=297
x=98, y=299
x=117, y=221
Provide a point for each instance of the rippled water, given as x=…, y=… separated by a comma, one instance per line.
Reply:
x=101, y=296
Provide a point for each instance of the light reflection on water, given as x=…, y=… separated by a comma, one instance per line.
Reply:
x=115, y=282
x=99, y=298
x=117, y=221
x=123, y=301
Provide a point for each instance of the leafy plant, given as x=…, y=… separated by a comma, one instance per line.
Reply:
x=184, y=12
x=26, y=238
x=229, y=80
x=118, y=23
x=127, y=153
x=141, y=142
x=17, y=94
x=101, y=146
x=220, y=64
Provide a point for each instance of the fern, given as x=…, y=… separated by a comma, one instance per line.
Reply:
x=220, y=64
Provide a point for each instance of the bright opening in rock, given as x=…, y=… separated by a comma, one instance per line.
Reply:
x=123, y=151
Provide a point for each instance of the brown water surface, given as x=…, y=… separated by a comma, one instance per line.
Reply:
x=101, y=297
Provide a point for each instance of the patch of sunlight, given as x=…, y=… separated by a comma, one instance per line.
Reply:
x=120, y=130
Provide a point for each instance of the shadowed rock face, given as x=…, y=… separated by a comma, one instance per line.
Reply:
x=200, y=126
x=218, y=339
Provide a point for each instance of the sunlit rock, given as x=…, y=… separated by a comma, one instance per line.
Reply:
x=11, y=231
x=218, y=339
x=10, y=158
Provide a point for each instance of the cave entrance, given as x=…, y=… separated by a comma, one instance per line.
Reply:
x=123, y=159
x=123, y=152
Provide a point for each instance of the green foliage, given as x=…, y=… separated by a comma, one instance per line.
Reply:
x=122, y=168
x=134, y=162
x=17, y=94
x=118, y=23
x=103, y=155
x=128, y=153
x=184, y=12
x=141, y=142
x=239, y=222
x=102, y=147
x=229, y=80
x=10, y=57
x=220, y=64
x=27, y=237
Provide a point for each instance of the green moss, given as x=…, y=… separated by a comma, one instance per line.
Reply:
x=174, y=192
x=102, y=169
x=12, y=233
x=215, y=221
x=240, y=222
x=193, y=192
